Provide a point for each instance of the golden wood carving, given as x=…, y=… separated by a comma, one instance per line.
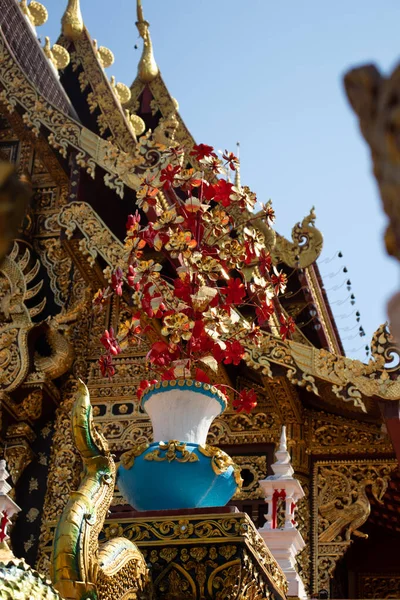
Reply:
x=257, y=467
x=65, y=133
x=35, y=11
x=305, y=248
x=174, y=450
x=16, y=275
x=102, y=95
x=207, y=556
x=341, y=507
x=19, y=456
x=379, y=585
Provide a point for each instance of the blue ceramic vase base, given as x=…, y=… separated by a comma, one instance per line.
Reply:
x=159, y=480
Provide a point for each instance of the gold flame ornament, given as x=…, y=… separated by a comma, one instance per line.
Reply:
x=58, y=55
x=147, y=68
x=36, y=12
x=121, y=90
x=72, y=22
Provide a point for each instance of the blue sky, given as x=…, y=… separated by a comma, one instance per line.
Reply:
x=269, y=74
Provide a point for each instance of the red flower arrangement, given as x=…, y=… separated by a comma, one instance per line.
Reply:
x=204, y=265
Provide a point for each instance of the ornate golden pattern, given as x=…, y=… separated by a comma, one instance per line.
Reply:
x=350, y=379
x=85, y=54
x=16, y=276
x=379, y=585
x=174, y=450
x=305, y=248
x=341, y=508
x=98, y=239
x=128, y=458
x=191, y=545
x=336, y=435
x=35, y=11
x=65, y=133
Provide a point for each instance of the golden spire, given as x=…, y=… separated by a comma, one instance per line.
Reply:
x=147, y=69
x=237, y=174
x=72, y=22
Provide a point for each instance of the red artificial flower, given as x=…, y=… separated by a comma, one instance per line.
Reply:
x=168, y=175
x=265, y=262
x=250, y=252
x=149, y=196
x=207, y=192
x=234, y=353
x=175, y=151
x=110, y=343
x=153, y=306
x=235, y=292
x=218, y=353
x=264, y=312
x=133, y=222
x=100, y=298
x=231, y=159
x=117, y=280
x=200, y=341
x=162, y=354
x=287, y=327
x=202, y=151
x=222, y=192
x=269, y=213
x=245, y=402
x=131, y=278
x=148, y=234
x=200, y=375
x=182, y=288
x=106, y=366
x=231, y=354
x=279, y=281
x=144, y=384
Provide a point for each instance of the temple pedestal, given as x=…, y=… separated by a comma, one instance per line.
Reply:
x=195, y=554
x=284, y=545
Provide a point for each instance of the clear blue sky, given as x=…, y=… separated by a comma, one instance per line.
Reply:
x=269, y=74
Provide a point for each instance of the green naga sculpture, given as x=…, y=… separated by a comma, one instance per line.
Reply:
x=80, y=568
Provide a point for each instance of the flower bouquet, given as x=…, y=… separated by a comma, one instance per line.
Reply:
x=200, y=279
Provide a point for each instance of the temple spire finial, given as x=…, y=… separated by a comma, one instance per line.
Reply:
x=8, y=508
x=147, y=69
x=237, y=173
x=72, y=22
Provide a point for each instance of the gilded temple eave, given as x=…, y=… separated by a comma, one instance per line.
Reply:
x=105, y=99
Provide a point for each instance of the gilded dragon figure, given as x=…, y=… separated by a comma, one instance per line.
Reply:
x=80, y=568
